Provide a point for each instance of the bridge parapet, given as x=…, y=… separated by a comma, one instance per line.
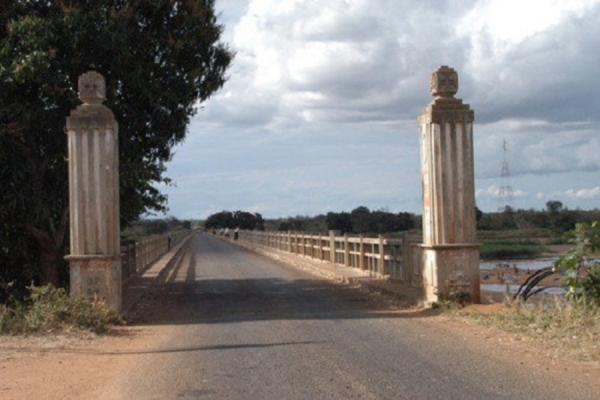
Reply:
x=139, y=253
x=386, y=258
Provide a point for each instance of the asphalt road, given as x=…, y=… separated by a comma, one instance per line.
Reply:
x=244, y=327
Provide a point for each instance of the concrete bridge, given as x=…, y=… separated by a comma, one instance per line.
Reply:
x=164, y=268
x=230, y=323
x=447, y=260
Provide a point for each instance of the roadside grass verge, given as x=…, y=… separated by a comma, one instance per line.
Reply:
x=510, y=249
x=52, y=310
x=571, y=328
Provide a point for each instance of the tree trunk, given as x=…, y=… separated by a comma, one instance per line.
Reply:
x=49, y=267
x=51, y=244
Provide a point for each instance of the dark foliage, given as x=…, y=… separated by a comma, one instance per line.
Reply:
x=360, y=220
x=160, y=58
x=238, y=219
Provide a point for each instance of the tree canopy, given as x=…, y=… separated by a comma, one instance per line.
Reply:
x=237, y=219
x=160, y=58
x=361, y=220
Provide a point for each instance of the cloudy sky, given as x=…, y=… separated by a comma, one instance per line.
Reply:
x=319, y=113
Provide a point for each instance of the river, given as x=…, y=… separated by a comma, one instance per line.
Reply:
x=522, y=265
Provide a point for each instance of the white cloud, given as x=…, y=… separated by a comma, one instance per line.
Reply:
x=522, y=51
x=321, y=106
x=584, y=193
x=495, y=191
x=512, y=21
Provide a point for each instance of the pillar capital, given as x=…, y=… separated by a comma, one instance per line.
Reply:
x=442, y=110
x=92, y=114
x=444, y=82
x=92, y=88
x=445, y=107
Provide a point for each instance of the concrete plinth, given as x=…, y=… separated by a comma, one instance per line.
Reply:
x=451, y=270
x=97, y=277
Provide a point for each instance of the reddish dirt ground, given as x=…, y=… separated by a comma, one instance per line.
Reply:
x=76, y=366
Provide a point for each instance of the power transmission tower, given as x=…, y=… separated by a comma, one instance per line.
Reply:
x=505, y=194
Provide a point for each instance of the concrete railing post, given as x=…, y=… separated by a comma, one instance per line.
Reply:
x=361, y=260
x=381, y=270
x=450, y=254
x=332, y=249
x=92, y=136
x=346, y=251
x=407, y=267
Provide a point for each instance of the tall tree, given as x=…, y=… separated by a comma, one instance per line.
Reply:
x=360, y=218
x=161, y=58
x=339, y=222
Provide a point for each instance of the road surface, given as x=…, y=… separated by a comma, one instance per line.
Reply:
x=240, y=326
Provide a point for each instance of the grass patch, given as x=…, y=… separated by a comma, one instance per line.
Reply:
x=571, y=328
x=510, y=249
x=558, y=240
x=515, y=234
x=51, y=310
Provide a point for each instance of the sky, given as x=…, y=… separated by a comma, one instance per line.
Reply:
x=320, y=109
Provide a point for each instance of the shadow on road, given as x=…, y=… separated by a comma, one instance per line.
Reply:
x=230, y=301
x=207, y=297
x=214, y=347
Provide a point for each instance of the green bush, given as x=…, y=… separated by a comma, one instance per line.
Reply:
x=581, y=266
x=454, y=299
x=50, y=310
x=558, y=240
x=516, y=233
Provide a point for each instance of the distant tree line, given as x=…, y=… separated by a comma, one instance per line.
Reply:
x=361, y=220
x=155, y=226
x=237, y=219
x=555, y=217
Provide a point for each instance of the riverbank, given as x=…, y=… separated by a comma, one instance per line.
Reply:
x=517, y=271
x=511, y=274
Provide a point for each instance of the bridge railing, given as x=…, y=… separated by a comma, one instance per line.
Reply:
x=390, y=258
x=139, y=253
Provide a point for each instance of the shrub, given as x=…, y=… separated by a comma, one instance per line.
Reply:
x=581, y=269
x=50, y=309
x=455, y=298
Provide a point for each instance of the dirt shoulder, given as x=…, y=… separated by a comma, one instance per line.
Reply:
x=77, y=366
x=59, y=366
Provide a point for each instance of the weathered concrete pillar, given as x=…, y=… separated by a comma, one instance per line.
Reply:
x=95, y=263
x=450, y=251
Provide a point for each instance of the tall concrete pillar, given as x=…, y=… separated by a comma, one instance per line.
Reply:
x=450, y=251
x=95, y=263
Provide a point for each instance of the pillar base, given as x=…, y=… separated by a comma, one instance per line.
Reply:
x=451, y=269
x=97, y=276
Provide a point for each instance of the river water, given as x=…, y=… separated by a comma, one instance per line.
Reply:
x=512, y=289
x=522, y=265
